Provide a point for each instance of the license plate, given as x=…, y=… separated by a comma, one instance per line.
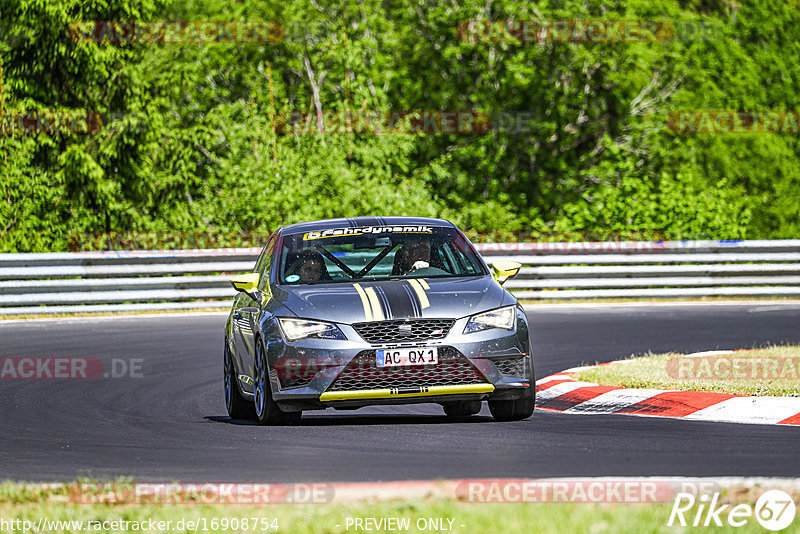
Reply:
x=404, y=357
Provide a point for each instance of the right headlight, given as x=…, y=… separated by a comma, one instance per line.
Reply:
x=294, y=329
x=500, y=318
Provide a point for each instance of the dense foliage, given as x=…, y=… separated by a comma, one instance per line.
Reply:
x=193, y=136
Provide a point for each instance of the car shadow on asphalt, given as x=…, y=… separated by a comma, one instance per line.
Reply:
x=366, y=419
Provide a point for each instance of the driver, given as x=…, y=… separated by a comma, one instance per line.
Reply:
x=309, y=266
x=413, y=255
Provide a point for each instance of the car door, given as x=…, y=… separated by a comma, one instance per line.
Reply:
x=245, y=318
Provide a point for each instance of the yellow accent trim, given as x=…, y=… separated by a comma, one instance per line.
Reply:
x=423, y=298
x=392, y=393
x=502, y=270
x=245, y=282
x=377, y=313
x=364, y=302
x=423, y=283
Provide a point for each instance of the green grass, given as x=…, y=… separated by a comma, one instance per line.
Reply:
x=31, y=503
x=772, y=371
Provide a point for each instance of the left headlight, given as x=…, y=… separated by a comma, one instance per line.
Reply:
x=294, y=329
x=499, y=318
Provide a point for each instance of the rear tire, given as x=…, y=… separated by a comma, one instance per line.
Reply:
x=462, y=408
x=267, y=410
x=238, y=407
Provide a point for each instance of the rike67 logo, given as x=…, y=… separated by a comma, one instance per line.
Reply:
x=774, y=510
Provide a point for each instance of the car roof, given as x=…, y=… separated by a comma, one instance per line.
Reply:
x=357, y=222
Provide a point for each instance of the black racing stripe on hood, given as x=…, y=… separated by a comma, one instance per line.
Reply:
x=399, y=301
x=414, y=300
x=385, y=307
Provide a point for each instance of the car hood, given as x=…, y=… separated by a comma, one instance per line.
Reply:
x=392, y=299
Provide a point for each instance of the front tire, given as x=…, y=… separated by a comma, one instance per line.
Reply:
x=514, y=410
x=267, y=410
x=518, y=409
x=238, y=407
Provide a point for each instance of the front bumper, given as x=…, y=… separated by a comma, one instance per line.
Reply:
x=317, y=373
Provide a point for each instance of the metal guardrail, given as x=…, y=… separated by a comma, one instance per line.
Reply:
x=153, y=280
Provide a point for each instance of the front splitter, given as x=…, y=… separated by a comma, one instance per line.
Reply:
x=399, y=393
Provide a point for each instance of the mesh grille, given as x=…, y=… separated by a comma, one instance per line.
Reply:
x=391, y=331
x=511, y=366
x=294, y=372
x=287, y=383
x=363, y=373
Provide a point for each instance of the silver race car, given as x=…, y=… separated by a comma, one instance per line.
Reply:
x=345, y=313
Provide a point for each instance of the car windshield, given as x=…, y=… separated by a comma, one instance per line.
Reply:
x=376, y=253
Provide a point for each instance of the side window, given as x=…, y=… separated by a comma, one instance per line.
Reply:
x=260, y=260
x=266, y=260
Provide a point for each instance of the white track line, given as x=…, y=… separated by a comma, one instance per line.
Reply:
x=560, y=389
x=759, y=410
x=611, y=401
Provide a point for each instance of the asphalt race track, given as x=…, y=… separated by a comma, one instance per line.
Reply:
x=170, y=423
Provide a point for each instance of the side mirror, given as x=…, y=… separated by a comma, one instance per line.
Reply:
x=247, y=283
x=502, y=270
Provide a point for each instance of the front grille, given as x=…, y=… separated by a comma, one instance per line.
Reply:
x=298, y=374
x=362, y=372
x=391, y=331
x=511, y=366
